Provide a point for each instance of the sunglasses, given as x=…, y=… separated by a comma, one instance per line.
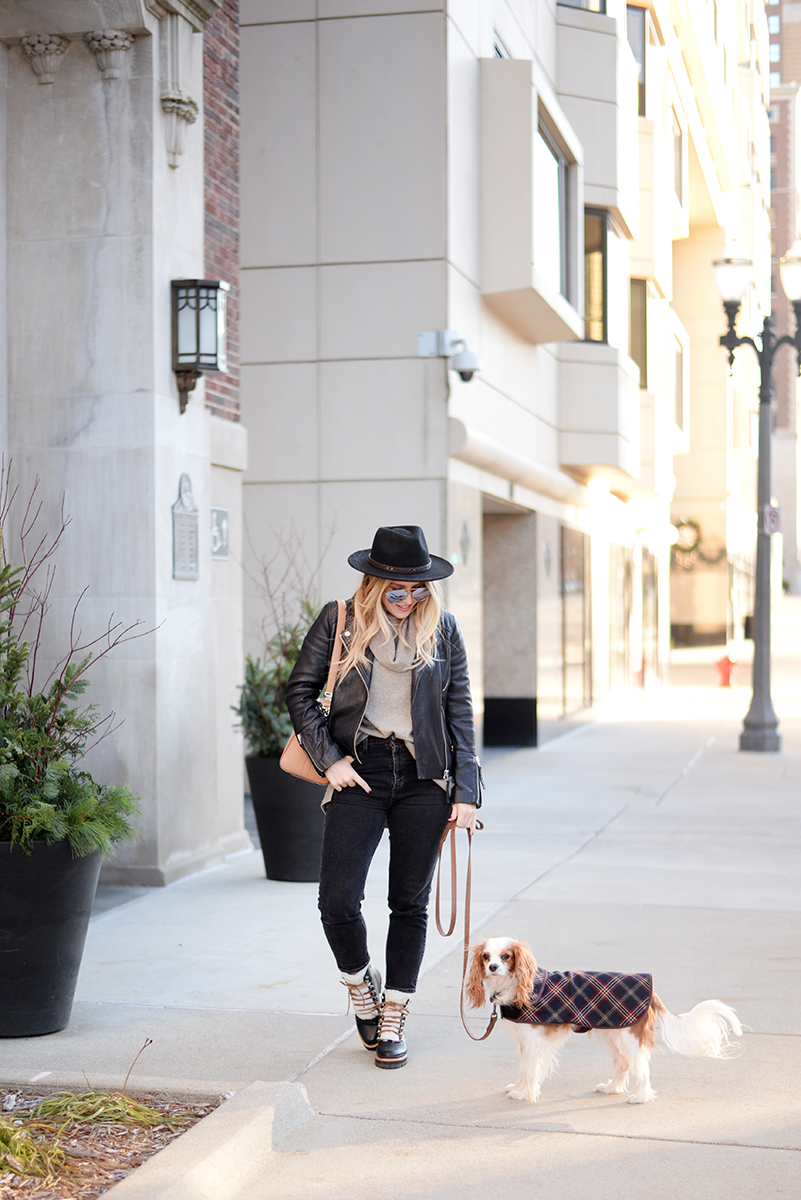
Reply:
x=398, y=595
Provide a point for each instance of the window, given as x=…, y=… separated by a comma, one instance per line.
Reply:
x=678, y=386
x=574, y=579
x=588, y=5
x=550, y=211
x=638, y=340
x=775, y=79
x=499, y=48
x=595, y=272
x=774, y=23
x=635, y=28
x=678, y=159
x=775, y=52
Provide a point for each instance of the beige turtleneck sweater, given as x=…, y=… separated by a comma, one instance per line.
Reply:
x=389, y=705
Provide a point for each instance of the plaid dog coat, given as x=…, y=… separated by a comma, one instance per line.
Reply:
x=585, y=1000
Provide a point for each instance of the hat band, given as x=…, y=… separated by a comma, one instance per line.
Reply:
x=405, y=570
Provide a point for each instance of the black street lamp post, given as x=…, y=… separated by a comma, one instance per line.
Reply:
x=733, y=275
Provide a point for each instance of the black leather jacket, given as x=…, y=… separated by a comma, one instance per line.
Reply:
x=442, y=711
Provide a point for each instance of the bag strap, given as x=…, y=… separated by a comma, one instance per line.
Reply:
x=334, y=664
x=450, y=831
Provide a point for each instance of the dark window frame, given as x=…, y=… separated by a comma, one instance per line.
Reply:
x=564, y=166
x=678, y=158
x=499, y=47
x=603, y=214
x=598, y=6
x=640, y=285
x=576, y=618
x=679, y=398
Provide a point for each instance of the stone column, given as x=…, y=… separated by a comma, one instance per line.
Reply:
x=98, y=225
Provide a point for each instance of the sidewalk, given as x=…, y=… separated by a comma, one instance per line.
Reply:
x=640, y=841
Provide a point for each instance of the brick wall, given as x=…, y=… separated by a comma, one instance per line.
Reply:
x=221, y=104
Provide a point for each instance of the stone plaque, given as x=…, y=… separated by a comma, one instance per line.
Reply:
x=220, y=545
x=185, y=557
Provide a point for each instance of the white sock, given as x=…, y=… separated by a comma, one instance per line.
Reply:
x=397, y=997
x=357, y=978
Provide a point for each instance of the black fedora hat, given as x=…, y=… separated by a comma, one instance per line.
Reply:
x=400, y=552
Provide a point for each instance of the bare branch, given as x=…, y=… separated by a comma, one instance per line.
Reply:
x=285, y=581
x=112, y=728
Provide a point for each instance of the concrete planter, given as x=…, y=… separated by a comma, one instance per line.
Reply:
x=289, y=819
x=45, y=904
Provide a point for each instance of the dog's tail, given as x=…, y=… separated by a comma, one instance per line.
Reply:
x=703, y=1032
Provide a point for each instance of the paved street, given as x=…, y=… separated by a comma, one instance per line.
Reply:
x=641, y=841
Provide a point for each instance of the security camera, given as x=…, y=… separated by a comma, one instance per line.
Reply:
x=465, y=363
x=446, y=343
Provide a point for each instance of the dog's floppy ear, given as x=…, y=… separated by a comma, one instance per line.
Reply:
x=474, y=984
x=525, y=970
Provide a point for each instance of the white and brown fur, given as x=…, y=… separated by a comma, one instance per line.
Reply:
x=503, y=970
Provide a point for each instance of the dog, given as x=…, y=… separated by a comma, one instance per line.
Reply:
x=540, y=1009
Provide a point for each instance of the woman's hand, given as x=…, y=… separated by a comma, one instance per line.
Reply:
x=341, y=775
x=464, y=815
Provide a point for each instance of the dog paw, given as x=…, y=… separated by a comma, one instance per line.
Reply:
x=609, y=1088
x=638, y=1099
x=510, y=1087
x=522, y=1094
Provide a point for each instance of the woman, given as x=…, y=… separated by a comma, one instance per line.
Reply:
x=398, y=751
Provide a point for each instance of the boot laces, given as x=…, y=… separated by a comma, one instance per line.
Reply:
x=393, y=1018
x=363, y=998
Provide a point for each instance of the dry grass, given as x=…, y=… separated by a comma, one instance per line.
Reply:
x=76, y=1145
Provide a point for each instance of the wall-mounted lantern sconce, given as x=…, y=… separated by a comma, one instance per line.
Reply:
x=199, y=333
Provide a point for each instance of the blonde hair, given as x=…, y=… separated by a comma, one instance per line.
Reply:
x=370, y=617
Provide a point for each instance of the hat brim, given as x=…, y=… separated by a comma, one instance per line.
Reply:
x=440, y=568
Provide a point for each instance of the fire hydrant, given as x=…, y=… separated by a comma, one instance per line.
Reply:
x=726, y=668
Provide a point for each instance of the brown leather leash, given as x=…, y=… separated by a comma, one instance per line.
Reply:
x=450, y=831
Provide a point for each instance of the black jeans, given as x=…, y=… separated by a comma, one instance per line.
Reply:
x=416, y=812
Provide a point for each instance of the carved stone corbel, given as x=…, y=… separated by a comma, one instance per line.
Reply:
x=108, y=47
x=44, y=51
x=179, y=112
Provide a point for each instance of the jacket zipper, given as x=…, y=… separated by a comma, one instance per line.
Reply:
x=358, y=727
x=361, y=718
x=447, y=775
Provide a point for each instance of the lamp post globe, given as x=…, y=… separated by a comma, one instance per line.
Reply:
x=733, y=274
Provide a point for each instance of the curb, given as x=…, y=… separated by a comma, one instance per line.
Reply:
x=225, y=1152
x=159, y=1087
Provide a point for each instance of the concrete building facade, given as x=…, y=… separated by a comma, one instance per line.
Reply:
x=550, y=183
x=109, y=184
x=726, y=198
x=539, y=184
